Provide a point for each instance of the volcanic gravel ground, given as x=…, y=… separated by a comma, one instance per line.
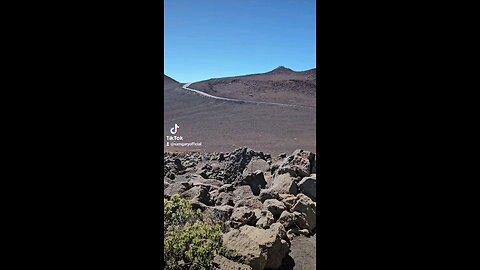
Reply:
x=281, y=85
x=224, y=126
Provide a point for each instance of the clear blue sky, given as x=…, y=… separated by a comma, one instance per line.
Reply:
x=220, y=38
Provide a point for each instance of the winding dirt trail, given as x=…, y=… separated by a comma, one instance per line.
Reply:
x=186, y=87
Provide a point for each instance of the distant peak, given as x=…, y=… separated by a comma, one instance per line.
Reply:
x=282, y=69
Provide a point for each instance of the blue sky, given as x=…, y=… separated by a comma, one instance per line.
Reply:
x=221, y=38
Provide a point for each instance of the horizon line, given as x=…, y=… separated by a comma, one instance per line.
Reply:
x=171, y=77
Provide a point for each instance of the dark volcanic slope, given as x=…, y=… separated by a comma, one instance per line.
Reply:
x=280, y=85
x=224, y=126
x=169, y=82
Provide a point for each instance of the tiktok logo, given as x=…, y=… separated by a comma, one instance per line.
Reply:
x=175, y=128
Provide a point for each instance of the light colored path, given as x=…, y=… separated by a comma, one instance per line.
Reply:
x=186, y=87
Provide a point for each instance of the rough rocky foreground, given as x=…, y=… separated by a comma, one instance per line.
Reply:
x=266, y=205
